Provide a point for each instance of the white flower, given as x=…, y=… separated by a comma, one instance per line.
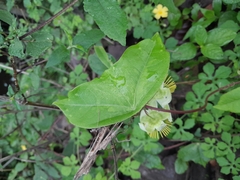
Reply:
x=155, y=122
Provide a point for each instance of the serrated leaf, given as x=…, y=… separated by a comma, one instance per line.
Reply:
x=6, y=16
x=230, y=101
x=220, y=36
x=185, y=52
x=212, y=51
x=122, y=90
x=109, y=17
x=16, y=48
x=88, y=38
x=59, y=55
x=40, y=42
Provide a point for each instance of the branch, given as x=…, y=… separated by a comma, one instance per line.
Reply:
x=194, y=110
x=48, y=21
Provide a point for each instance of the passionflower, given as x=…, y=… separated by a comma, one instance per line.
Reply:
x=160, y=11
x=156, y=122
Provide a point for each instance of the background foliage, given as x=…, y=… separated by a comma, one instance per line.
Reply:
x=36, y=140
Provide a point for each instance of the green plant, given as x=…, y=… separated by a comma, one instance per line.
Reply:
x=54, y=61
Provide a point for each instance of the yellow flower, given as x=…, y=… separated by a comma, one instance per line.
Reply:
x=23, y=147
x=160, y=11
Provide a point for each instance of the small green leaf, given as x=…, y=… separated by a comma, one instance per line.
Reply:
x=6, y=16
x=171, y=43
x=122, y=90
x=39, y=42
x=180, y=166
x=220, y=36
x=96, y=64
x=212, y=51
x=16, y=48
x=200, y=35
x=135, y=165
x=230, y=101
x=228, y=15
x=230, y=25
x=66, y=171
x=231, y=1
x=217, y=6
x=109, y=17
x=185, y=52
x=59, y=55
x=103, y=56
x=174, y=13
x=88, y=38
x=193, y=152
x=39, y=174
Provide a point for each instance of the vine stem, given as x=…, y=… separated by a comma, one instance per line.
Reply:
x=194, y=110
x=48, y=21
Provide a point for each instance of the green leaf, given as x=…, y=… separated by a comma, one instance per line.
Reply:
x=217, y=6
x=16, y=48
x=59, y=55
x=193, y=152
x=220, y=36
x=150, y=161
x=103, y=56
x=39, y=174
x=230, y=101
x=40, y=42
x=185, y=52
x=122, y=90
x=96, y=64
x=212, y=51
x=171, y=43
x=180, y=166
x=200, y=35
x=174, y=13
x=6, y=16
x=228, y=15
x=88, y=38
x=109, y=17
x=135, y=165
x=231, y=1
x=230, y=25
x=10, y=4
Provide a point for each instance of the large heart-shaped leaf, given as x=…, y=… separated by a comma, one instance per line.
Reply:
x=122, y=90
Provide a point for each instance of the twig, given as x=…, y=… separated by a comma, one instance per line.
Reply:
x=48, y=21
x=114, y=160
x=100, y=143
x=26, y=73
x=29, y=103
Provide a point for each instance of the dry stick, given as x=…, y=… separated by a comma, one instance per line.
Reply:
x=194, y=110
x=100, y=143
x=48, y=21
x=114, y=160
